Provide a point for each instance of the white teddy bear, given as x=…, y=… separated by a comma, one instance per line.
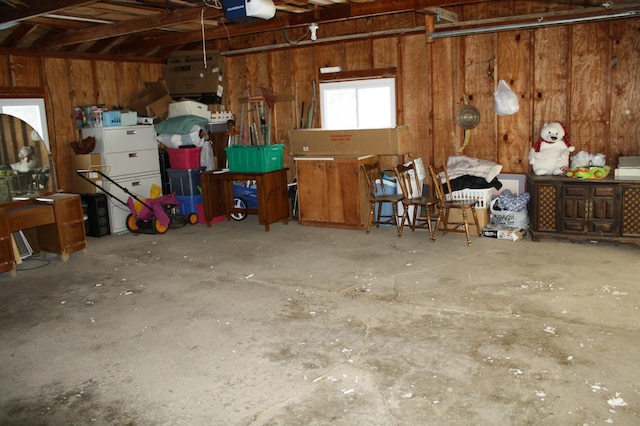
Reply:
x=550, y=154
x=27, y=160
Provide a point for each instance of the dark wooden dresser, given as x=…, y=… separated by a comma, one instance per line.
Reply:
x=584, y=209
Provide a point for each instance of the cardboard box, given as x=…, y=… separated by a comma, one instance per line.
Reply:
x=388, y=141
x=87, y=162
x=455, y=215
x=177, y=109
x=152, y=101
x=186, y=74
x=503, y=233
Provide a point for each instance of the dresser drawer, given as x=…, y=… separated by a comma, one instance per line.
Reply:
x=132, y=162
x=121, y=139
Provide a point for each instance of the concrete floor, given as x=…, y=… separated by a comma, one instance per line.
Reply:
x=231, y=325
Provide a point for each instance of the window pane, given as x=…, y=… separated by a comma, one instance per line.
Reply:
x=361, y=104
x=341, y=109
x=374, y=110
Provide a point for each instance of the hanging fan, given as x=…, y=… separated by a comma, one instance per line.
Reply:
x=468, y=117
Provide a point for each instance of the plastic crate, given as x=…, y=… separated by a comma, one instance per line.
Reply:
x=111, y=119
x=188, y=204
x=184, y=182
x=249, y=195
x=184, y=158
x=254, y=158
x=483, y=195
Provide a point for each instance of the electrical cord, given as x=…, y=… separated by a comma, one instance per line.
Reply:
x=286, y=37
x=216, y=4
x=21, y=266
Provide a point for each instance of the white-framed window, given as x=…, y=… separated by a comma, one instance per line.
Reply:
x=32, y=111
x=358, y=104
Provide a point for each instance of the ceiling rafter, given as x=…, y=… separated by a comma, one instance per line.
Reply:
x=154, y=28
x=38, y=7
x=131, y=26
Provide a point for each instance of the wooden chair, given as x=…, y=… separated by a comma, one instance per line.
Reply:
x=441, y=182
x=414, y=199
x=378, y=198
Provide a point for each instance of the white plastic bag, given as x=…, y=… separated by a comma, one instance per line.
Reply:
x=206, y=156
x=506, y=101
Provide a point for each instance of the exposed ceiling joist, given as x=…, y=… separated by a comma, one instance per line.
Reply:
x=40, y=8
x=132, y=26
x=154, y=28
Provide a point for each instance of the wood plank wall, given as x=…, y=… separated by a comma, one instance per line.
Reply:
x=67, y=81
x=585, y=75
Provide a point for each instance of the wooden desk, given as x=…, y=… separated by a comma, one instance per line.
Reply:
x=57, y=220
x=272, y=192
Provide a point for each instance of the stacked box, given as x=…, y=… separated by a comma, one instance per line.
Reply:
x=111, y=119
x=254, y=158
x=184, y=182
x=184, y=158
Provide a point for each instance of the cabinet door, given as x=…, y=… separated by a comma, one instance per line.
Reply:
x=346, y=197
x=574, y=207
x=630, y=211
x=589, y=208
x=601, y=210
x=313, y=193
x=329, y=192
x=544, y=206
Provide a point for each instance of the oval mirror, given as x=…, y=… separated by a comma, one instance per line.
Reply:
x=24, y=160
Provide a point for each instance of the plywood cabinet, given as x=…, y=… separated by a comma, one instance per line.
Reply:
x=590, y=210
x=332, y=191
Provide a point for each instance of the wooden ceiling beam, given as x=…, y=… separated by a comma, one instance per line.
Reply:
x=131, y=26
x=335, y=13
x=18, y=35
x=40, y=7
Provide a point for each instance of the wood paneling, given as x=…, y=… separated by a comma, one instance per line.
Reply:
x=624, y=135
x=584, y=75
x=67, y=82
x=26, y=71
x=514, y=134
x=590, y=59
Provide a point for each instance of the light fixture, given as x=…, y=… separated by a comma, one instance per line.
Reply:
x=313, y=28
x=541, y=22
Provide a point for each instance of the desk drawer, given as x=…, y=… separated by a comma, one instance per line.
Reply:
x=133, y=162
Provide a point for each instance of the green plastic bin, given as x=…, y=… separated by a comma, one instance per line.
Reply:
x=254, y=158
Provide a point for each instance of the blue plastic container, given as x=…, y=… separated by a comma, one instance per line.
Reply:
x=188, y=204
